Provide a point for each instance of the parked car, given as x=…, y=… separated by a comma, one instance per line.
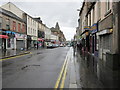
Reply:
x=61, y=45
x=49, y=45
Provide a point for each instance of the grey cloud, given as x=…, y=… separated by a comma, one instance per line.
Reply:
x=63, y=12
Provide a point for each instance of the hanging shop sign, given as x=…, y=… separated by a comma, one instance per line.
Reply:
x=87, y=28
x=94, y=28
x=20, y=36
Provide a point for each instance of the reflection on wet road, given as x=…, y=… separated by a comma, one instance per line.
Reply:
x=39, y=70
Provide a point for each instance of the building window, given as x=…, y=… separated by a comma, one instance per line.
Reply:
x=23, y=28
x=28, y=29
x=7, y=27
x=0, y=25
x=31, y=30
x=93, y=17
x=107, y=5
x=7, y=21
x=28, y=20
x=19, y=27
x=7, y=24
x=14, y=25
x=99, y=10
x=90, y=19
x=31, y=21
x=35, y=31
x=0, y=22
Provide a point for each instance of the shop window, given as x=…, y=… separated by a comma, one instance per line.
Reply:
x=8, y=43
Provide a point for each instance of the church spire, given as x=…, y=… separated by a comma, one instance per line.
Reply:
x=57, y=26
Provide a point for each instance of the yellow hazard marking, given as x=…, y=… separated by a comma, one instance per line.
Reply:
x=14, y=57
x=64, y=77
x=62, y=74
x=59, y=78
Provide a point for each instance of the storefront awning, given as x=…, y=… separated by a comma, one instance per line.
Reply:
x=39, y=39
x=4, y=36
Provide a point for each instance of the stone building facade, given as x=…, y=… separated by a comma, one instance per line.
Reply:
x=15, y=28
x=99, y=34
x=56, y=31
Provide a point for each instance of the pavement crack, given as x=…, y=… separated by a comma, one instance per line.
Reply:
x=24, y=67
x=28, y=66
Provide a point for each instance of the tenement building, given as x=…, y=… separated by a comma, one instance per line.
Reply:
x=99, y=35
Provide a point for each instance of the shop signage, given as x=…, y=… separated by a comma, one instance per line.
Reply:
x=106, y=31
x=20, y=36
x=34, y=38
x=94, y=28
x=87, y=27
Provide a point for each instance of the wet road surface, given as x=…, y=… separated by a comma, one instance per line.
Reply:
x=39, y=70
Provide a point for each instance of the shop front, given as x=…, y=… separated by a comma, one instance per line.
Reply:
x=20, y=41
x=3, y=38
x=94, y=39
x=40, y=42
x=34, y=41
x=29, y=39
x=10, y=42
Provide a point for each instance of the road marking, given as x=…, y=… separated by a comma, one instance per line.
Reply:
x=60, y=75
x=15, y=57
x=64, y=77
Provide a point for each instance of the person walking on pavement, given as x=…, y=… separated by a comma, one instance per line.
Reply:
x=37, y=45
x=74, y=48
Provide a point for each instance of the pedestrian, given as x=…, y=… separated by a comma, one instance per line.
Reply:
x=34, y=45
x=37, y=45
x=74, y=48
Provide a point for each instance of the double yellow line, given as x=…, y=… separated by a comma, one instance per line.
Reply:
x=62, y=75
x=15, y=56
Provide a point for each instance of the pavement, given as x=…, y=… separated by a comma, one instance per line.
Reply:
x=12, y=53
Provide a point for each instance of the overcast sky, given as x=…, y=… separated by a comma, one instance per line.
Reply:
x=51, y=11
